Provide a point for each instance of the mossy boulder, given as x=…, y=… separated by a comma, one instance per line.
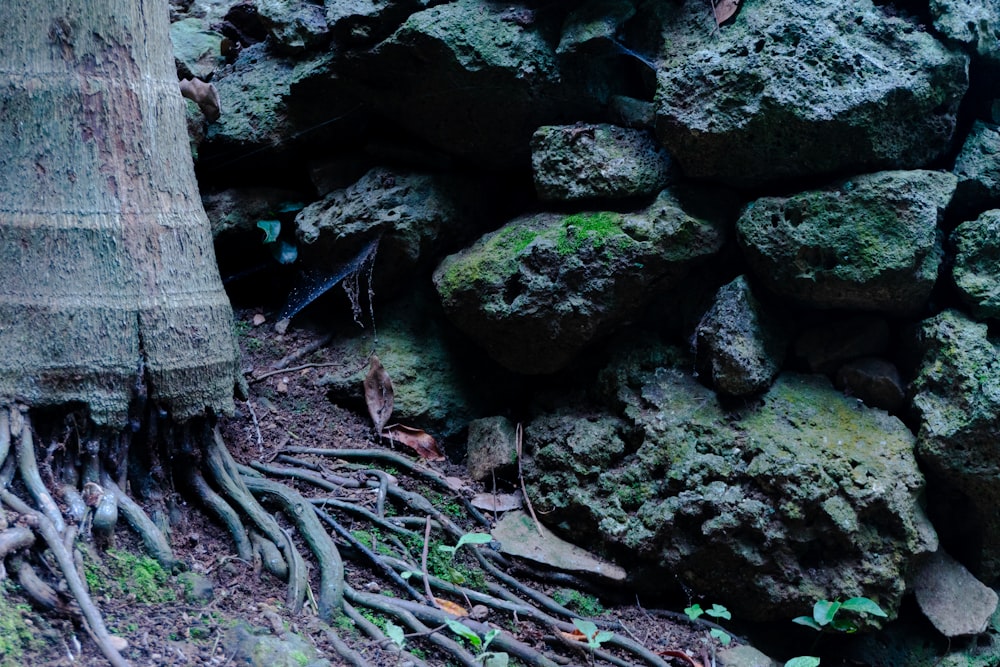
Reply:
x=793, y=89
x=541, y=288
x=801, y=496
x=956, y=396
x=867, y=243
x=977, y=270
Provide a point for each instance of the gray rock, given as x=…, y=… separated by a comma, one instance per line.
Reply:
x=238, y=210
x=265, y=650
x=294, y=25
x=537, y=291
x=978, y=169
x=797, y=88
x=469, y=78
x=976, y=271
x=196, y=49
x=744, y=656
x=414, y=214
x=801, y=496
x=492, y=448
x=739, y=344
x=867, y=243
x=951, y=598
x=591, y=161
x=198, y=589
x=364, y=21
x=825, y=347
x=973, y=23
x=956, y=396
x=875, y=381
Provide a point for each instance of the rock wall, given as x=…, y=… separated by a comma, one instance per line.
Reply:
x=737, y=280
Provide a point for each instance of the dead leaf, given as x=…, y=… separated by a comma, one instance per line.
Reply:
x=724, y=10
x=421, y=442
x=456, y=483
x=204, y=95
x=378, y=394
x=497, y=502
x=451, y=607
x=575, y=636
x=670, y=653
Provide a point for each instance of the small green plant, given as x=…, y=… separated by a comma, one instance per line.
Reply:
x=481, y=644
x=825, y=614
x=447, y=569
x=581, y=603
x=717, y=611
x=395, y=634
x=595, y=638
x=803, y=661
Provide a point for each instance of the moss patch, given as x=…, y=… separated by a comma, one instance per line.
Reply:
x=597, y=228
x=491, y=262
x=18, y=631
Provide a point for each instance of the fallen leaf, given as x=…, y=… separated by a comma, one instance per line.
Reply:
x=378, y=394
x=456, y=483
x=575, y=636
x=497, y=502
x=724, y=10
x=421, y=442
x=670, y=653
x=451, y=607
x=204, y=95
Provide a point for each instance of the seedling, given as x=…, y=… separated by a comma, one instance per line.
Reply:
x=717, y=611
x=481, y=644
x=595, y=638
x=803, y=661
x=825, y=614
x=468, y=538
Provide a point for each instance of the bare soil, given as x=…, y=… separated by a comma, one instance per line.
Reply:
x=288, y=409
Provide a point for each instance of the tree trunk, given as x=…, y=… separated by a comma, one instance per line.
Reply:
x=108, y=280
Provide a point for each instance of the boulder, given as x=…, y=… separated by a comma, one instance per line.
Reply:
x=358, y=22
x=492, y=449
x=956, y=397
x=196, y=49
x=794, y=89
x=416, y=216
x=978, y=169
x=867, y=243
x=294, y=25
x=596, y=161
x=975, y=24
x=976, y=273
x=541, y=288
x=766, y=508
x=874, y=381
x=954, y=601
x=739, y=344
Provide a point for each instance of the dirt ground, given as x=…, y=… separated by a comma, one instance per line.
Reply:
x=164, y=625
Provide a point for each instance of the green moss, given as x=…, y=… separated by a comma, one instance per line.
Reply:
x=581, y=603
x=16, y=635
x=597, y=228
x=128, y=574
x=488, y=264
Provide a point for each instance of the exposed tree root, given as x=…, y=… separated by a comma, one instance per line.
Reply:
x=335, y=497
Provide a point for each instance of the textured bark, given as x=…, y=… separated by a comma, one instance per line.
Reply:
x=107, y=271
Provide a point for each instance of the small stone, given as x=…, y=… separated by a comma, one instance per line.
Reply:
x=954, y=601
x=744, y=656
x=875, y=381
x=259, y=319
x=282, y=387
x=118, y=643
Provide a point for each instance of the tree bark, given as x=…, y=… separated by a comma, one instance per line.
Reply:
x=108, y=280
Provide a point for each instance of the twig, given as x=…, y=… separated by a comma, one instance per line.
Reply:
x=282, y=364
x=520, y=477
x=423, y=562
x=256, y=426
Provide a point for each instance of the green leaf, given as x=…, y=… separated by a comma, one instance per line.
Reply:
x=395, y=634
x=722, y=636
x=694, y=611
x=588, y=628
x=271, y=229
x=824, y=611
x=864, y=606
x=843, y=625
x=465, y=632
x=718, y=611
x=807, y=621
x=601, y=637
x=455, y=577
x=803, y=661
x=490, y=636
x=473, y=538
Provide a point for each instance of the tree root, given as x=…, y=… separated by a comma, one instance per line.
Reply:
x=325, y=510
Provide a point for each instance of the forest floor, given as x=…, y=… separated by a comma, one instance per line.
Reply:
x=164, y=625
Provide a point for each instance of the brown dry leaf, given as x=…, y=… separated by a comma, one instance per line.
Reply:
x=421, y=442
x=451, y=607
x=497, y=502
x=724, y=10
x=456, y=483
x=575, y=636
x=204, y=95
x=378, y=394
x=670, y=653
